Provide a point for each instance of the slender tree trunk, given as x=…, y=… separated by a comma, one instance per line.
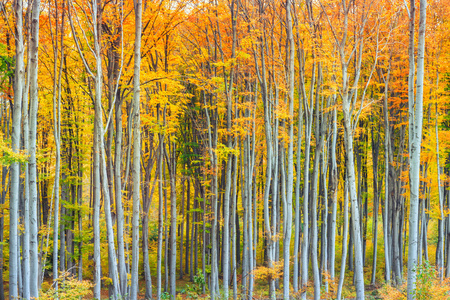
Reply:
x=314, y=188
x=119, y=202
x=344, y=241
x=333, y=183
x=118, y=187
x=297, y=201
x=173, y=220
x=15, y=143
x=376, y=199
x=269, y=228
x=348, y=142
x=34, y=226
x=160, y=216
x=324, y=252
x=440, y=248
x=57, y=134
x=145, y=254
x=2, y=223
x=233, y=221
x=136, y=150
x=287, y=226
x=96, y=216
x=308, y=128
x=387, y=147
x=98, y=122
x=188, y=218
x=415, y=139
x=183, y=217
x=227, y=192
x=24, y=206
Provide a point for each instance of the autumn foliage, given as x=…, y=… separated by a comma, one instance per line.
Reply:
x=247, y=111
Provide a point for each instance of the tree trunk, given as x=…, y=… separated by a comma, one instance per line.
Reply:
x=319, y=122
x=376, y=200
x=173, y=219
x=344, y=241
x=160, y=215
x=440, y=248
x=14, y=253
x=348, y=143
x=333, y=183
x=308, y=129
x=387, y=148
x=415, y=139
x=34, y=226
x=136, y=150
x=287, y=226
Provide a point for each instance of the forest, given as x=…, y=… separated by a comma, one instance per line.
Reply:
x=245, y=149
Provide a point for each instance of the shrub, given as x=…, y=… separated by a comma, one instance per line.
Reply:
x=69, y=288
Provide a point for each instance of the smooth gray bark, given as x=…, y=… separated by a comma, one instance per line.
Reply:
x=136, y=150
x=376, y=200
x=96, y=217
x=160, y=215
x=173, y=219
x=308, y=104
x=297, y=220
x=287, y=213
x=269, y=228
x=348, y=105
x=333, y=183
x=324, y=238
x=415, y=139
x=344, y=242
x=440, y=248
x=319, y=124
x=387, y=148
x=118, y=197
x=15, y=145
x=233, y=222
x=348, y=142
x=227, y=192
x=25, y=203
x=104, y=175
x=118, y=187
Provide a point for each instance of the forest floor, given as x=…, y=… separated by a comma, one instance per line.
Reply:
x=186, y=290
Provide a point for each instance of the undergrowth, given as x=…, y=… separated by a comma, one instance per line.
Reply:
x=428, y=286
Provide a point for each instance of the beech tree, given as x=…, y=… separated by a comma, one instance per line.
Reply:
x=136, y=149
x=415, y=105
x=271, y=133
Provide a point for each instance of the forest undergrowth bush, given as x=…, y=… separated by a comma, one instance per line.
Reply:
x=194, y=290
x=69, y=288
x=428, y=286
